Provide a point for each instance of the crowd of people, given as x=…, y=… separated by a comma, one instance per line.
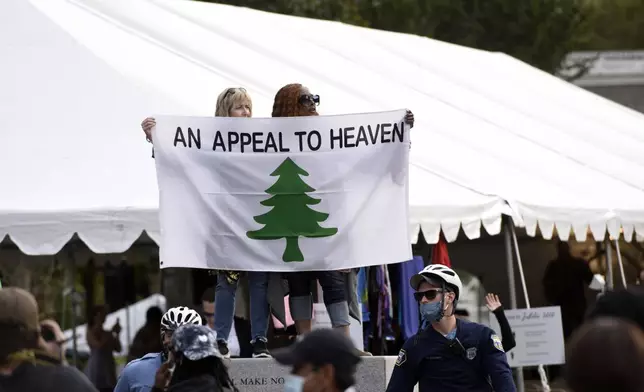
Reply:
x=448, y=353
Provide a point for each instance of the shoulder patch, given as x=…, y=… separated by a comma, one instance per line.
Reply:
x=496, y=340
x=402, y=357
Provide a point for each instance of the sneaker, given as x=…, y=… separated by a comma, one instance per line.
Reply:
x=363, y=353
x=259, y=349
x=223, y=348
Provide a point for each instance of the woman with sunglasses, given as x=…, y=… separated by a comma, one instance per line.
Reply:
x=235, y=102
x=448, y=354
x=295, y=100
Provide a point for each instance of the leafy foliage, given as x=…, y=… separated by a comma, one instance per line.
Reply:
x=618, y=25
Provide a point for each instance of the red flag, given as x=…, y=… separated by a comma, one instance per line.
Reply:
x=439, y=252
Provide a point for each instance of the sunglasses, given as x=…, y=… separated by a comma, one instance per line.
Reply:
x=309, y=99
x=430, y=295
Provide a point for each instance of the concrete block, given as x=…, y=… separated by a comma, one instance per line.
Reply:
x=265, y=375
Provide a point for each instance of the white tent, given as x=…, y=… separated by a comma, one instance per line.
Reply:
x=489, y=129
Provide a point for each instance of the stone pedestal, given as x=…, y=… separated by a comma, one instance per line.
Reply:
x=265, y=375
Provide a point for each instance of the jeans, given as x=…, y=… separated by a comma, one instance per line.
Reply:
x=225, y=305
x=333, y=288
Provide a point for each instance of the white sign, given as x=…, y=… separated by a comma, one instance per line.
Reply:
x=539, y=336
x=283, y=194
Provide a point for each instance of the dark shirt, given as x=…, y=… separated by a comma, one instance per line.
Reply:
x=145, y=341
x=45, y=376
x=565, y=282
x=438, y=364
x=204, y=383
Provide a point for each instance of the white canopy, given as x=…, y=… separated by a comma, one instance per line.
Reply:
x=82, y=75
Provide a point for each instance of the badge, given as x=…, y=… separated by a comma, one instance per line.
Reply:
x=471, y=353
x=497, y=343
x=402, y=357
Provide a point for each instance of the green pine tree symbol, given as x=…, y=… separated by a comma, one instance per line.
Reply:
x=291, y=217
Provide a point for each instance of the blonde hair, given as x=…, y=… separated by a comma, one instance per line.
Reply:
x=229, y=98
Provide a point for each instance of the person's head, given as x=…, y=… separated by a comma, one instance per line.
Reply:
x=325, y=359
x=437, y=291
x=153, y=315
x=234, y=102
x=19, y=325
x=295, y=100
x=96, y=317
x=194, y=351
x=53, y=338
x=626, y=304
x=208, y=306
x=563, y=250
x=606, y=355
x=172, y=320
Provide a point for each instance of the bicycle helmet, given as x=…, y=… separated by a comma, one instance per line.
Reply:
x=443, y=273
x=181, y=315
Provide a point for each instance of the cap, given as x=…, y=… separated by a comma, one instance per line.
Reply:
x=627, y=304
x=195, y=342
x=320, y=347
x=18, y=307
x=51, y=332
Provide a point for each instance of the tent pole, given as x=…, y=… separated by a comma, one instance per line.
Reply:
x=75, y=305
x=620, y=262
x=513, y=290
x=609, y=264
x=519, y=263
x=126, y=349
x=541, y=369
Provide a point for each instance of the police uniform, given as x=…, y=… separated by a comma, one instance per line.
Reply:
x=438, y=364
x=138, y=375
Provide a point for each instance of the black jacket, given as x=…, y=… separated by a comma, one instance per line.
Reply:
x=44, y=377
x=205, y=383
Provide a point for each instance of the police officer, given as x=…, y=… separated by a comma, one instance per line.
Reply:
x=448, y=354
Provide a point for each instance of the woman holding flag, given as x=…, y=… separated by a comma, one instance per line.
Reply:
x=296, y=100
x=235, y=102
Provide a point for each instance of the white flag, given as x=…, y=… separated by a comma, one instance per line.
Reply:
x=283, y=194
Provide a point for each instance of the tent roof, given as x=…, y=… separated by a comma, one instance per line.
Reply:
x=84, y=74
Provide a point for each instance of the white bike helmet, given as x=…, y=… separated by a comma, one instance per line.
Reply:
x=443, y=273
x=181, y=315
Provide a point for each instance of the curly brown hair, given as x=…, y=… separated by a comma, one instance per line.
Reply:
x=286, y=103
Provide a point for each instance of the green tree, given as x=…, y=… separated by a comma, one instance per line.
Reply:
x=538, y=32
x=291, y=217
x=618, y=25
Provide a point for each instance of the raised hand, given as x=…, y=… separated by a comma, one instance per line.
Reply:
x=492, y=302
x=409, y=118
x=147, y=126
